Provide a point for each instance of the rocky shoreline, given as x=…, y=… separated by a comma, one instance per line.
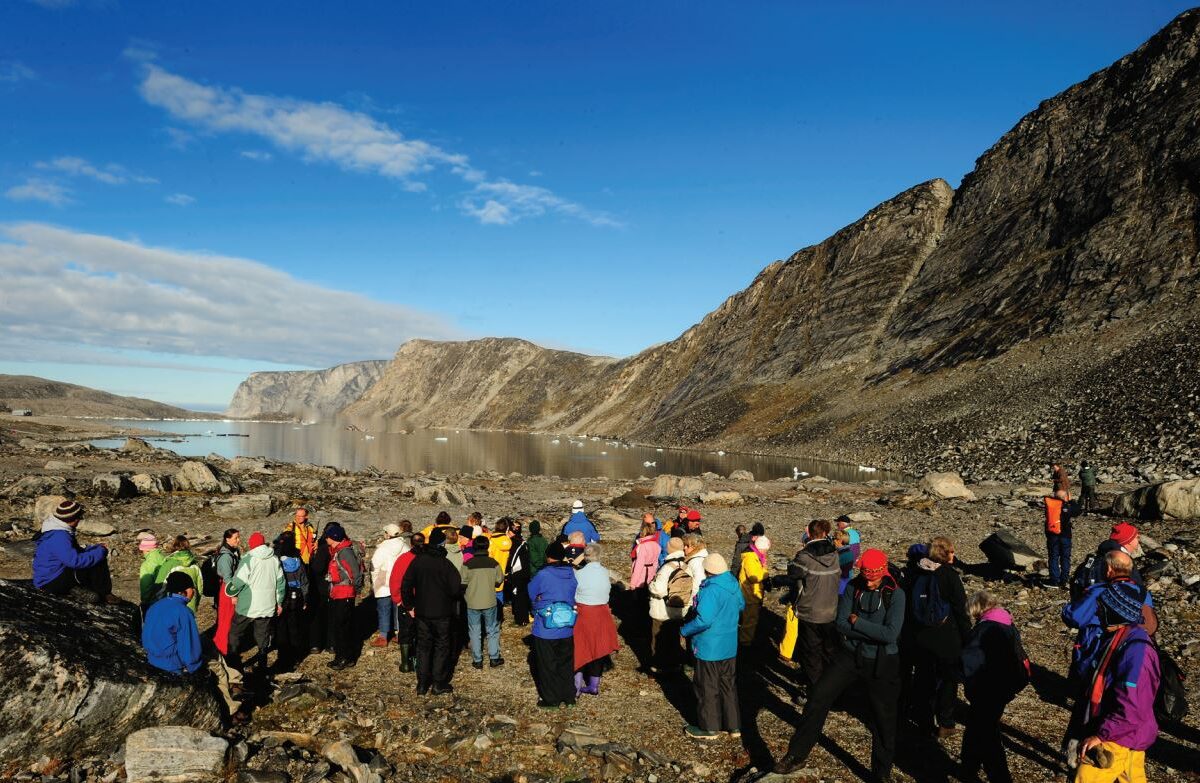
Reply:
x=316, y=725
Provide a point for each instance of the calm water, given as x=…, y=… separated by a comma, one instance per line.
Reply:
x=464, y=451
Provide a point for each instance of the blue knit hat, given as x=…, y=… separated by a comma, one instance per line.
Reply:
x=1121, y=603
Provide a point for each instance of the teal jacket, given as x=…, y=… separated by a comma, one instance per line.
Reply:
x=258, y=583
x=714, y=628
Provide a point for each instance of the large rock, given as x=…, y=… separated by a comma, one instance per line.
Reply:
x=112, y=485
x=442, y=494
x=174, y=754
x=741, y=475
x=668, y=487
x=247, y=465
x=74, y=679
x=1005, y=550
x=1169, y=500
x=90, y=527
x=946, y=485
x=137, y=446
x=243, y=506
x=148, y=484
x=32, y=486
x=725, y=498
x=196, y=476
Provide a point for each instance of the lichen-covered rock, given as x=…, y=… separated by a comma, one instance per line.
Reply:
x=137, y=446
x=243, y=506
x=741, y=475
x=174, y=754
x=724, y=498
x=32, y=486
x=1170, y=499
x=196, y=476
x=74, y=681
x=149, y=484
x=946, y=485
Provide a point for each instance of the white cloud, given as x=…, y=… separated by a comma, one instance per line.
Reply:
x=66, y=291
x=258, y=155
x=180, y=199
x=12, y=72
x=178, y=138
x=37, y=189
x=111, y=174
x=330, y=133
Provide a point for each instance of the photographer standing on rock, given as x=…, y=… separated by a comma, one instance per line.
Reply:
x=62, y=567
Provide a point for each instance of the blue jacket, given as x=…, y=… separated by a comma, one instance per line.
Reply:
x=1084, y=615
x=57, y=551
x=170, y=636
x=580, y=522
x=715, y=624
x=879, y=617
x=553, y=583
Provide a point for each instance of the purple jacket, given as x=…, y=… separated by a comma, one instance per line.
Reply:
x=1126, y=714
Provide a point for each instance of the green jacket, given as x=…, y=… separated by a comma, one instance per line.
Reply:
x=1087, y=476
x=481, y=576
x=537, y=544
x=148, y=575
x=185, y=561
x=258, y=583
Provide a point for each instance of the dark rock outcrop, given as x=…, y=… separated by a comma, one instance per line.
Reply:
x=75, y=681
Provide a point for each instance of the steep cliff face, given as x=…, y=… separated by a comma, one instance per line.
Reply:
x=304, y=393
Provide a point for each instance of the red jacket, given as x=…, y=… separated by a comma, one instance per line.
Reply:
x=402, y=564
x=341, y=574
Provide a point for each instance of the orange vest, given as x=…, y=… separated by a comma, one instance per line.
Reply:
x=306, y=539
x=1054, y=508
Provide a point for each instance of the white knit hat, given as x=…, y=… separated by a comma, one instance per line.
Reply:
x=577, y=505
x=715, y=564
x=391, y=530
x=762, y=543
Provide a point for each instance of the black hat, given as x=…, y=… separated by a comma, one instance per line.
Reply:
x=556, y=551
x=437, y=537
x=178, y=582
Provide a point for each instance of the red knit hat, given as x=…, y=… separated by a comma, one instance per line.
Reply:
x=693, y=515
x=1123, y=533
x=873, y=564
x=257, y=539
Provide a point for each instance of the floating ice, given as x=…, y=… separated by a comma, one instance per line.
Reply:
x=649, y=464
x=441, y=440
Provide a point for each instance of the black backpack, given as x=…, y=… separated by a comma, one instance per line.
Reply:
x=929, y=609
x=1088, y=573
x=208, y=574
x=1170, y=703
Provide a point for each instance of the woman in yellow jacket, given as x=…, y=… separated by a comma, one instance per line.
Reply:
x=499, y=548
x=751, y=577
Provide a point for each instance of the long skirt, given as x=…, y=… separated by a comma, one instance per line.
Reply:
x=225, y=606
x=595, y=634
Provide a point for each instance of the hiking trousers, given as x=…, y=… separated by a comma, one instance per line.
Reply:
x=935, y=689
x=554, y=669
x=716, y=695
x=1128, y=766
x=339, y=614
x=96, y=579
x=981, y=745
x=817, y=646
x=1058, y=549
x=666, y=648
x=879, y=682
x=433, y=651
x=1088, y=501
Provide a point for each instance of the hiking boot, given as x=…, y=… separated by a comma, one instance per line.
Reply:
x=438, y=690
x=787, y=765
x=422, y=689
x=697, y=733
x=477, y=664
x=337, y=664
x=945, y=732
x=546, y=705
x=406, y=659
x=497, y=662
x=379, y=641
x=735, y=734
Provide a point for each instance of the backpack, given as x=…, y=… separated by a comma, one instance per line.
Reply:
x=1054, y=512
x=1088, y=573
x=209, y=575
x=1023, y=672
x=1170, y=703
x=356, y=571
x=679, y=587
x=928, y=607
x=558, y=614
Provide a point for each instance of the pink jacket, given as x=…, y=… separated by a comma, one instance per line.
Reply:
x=645, y=561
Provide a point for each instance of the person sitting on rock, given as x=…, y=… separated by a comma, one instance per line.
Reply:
x=152, y=559
x=579, y=522
x=179, y=557
x=62, y=567
x=172, y=639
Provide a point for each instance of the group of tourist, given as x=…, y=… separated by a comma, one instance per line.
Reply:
x=903, y=637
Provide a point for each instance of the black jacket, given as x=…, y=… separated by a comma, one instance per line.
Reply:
x=431, y=585
x=518, y=567
x=943, y=641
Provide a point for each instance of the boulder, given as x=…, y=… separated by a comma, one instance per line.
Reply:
x=32, y=486
x=60, y=465
x=243, y=506
x=90, y=527
x=147, y=484
x=442, y=494
x=44, y=507
x=859, y=517
x=1168, y=500
x=689, y=487
x=196, y=476
x=174, y=754
x=1005, y=550
x=112, y=485
x=137, y=446
x=946, y=485
x=665, y=487
x=708, y=475
x=74, y=679
x=726, y=498
x=247, y=465
x=741, y=475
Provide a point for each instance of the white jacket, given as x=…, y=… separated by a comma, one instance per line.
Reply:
x=658, y=590
x=381, y=564
x=695, y=566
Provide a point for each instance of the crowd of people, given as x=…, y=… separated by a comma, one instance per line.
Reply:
x=902, y=637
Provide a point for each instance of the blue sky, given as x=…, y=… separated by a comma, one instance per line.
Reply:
x=189, y=192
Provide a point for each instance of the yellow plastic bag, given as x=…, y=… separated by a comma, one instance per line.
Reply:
x=791, y=629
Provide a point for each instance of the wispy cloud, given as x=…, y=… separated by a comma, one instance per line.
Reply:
x=258, y=155
x=68, y=289
x=110, y=174
x=180, y=199
x=330, y=133
x=12, y=71
x=38, y=189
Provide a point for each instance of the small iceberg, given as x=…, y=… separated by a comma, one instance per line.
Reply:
x=368, y=437
x=649, y=464
x=720, y=454
x=554, y=442
x=797, y=473
x=441, y=440
x=866, y=469
x=604, y=454
x=659, y=451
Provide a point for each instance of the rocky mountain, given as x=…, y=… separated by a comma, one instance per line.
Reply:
x=1041, y=311
x=54, y=398
x=303, y=393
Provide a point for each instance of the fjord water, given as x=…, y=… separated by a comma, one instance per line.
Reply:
x=464, y=451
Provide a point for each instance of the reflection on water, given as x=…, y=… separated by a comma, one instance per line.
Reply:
x=465, y=451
